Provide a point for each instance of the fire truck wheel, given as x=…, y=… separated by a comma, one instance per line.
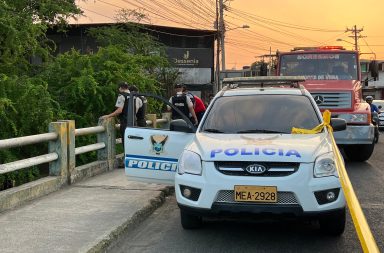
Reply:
x=359, y=153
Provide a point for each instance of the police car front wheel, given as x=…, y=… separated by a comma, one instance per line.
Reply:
x=333, y=223
x=189, y=221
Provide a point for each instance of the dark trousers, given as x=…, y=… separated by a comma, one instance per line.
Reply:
x=123, y=126
x=200, y=115
x=141, y=123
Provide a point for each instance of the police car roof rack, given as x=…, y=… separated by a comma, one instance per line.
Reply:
x=264, y=81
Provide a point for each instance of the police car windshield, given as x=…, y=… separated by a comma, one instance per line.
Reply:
x=260, y=114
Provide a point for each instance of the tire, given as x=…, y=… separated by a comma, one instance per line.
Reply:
x=376, y=140
x=189, y=221
x=359, y=153
x=333, y=224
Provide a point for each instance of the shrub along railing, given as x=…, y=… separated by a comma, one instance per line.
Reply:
x=61, y=156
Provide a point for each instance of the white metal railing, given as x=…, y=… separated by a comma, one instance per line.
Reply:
x=62, y=151
x=89, y=148
x=29, y=162
x=53, y=136
x=27, y=140
x=89, y=130
x=60, y=147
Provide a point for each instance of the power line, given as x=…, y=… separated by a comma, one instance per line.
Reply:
x=153, y=30
x=369, y=47
x=157, y=13
x=275, y=28
x=269, y=39
x=280, y=23
x=120, y=7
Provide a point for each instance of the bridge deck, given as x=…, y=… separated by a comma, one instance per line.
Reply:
x=79, y=217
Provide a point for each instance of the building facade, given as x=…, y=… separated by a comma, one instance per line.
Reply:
x=191, y=51
x=373, y=87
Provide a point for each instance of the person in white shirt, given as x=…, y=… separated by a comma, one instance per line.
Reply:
x=122, y=107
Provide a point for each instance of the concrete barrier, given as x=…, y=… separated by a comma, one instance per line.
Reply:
x=61, y=157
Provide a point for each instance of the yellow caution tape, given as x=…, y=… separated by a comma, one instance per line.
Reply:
x=363, y=231
x=318, y=128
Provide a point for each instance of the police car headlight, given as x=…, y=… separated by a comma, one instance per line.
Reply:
x=325, y=166
x=354, y=118
x=190, y=163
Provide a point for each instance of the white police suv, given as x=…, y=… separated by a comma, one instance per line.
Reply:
x=243, y=158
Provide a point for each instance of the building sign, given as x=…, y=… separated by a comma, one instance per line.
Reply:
x=190, y=57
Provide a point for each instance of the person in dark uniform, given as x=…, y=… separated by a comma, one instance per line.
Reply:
x=122, y=107
x=183, y=103
x=375, y=116
x=142, y=111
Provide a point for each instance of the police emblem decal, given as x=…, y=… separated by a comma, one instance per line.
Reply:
x=158, y=142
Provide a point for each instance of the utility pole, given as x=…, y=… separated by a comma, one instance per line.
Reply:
x=218, y=38
x=222, y=33
x=356, y=35
x=270, y=61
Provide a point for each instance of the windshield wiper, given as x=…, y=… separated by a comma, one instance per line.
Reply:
x=260, y=131
x=212, y=130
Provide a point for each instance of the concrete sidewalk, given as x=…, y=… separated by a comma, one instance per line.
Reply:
x=84, y=217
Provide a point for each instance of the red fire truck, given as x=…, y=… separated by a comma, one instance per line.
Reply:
x=333, y=78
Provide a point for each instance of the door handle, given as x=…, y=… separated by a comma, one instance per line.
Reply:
x=135, y=137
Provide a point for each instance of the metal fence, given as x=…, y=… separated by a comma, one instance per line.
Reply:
x=62, y=150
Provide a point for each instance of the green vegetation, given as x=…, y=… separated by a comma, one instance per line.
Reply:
x=67, y=86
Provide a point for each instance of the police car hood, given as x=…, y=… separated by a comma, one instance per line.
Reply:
x=261, y=147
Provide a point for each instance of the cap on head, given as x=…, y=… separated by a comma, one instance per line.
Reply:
x=133, y=88
x=178, y=86
x=368, y=98
x=124, y=85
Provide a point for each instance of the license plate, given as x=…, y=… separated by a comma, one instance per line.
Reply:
x=247, y=193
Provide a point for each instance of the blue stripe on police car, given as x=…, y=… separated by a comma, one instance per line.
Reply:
x=151, y=163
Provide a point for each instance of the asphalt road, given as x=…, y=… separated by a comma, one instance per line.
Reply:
x=162, y=231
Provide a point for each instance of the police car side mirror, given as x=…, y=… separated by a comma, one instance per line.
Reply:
x=338, y=124
x=180, y=125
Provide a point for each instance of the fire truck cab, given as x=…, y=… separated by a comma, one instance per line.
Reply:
x=333, y=78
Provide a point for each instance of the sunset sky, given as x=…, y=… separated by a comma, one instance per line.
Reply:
x=273, y=25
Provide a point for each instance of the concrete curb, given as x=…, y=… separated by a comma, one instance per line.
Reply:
x=134, y=221
x=17, y=196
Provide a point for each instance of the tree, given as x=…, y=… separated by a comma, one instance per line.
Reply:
x=26, y=106
x=23, y=24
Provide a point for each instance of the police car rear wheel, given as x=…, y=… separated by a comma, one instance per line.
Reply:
x=333, y=224
x=189, y=221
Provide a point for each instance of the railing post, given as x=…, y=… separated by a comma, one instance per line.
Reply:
x=152, y=117
x=71, y=141
x=166, y=116
x=60, y=166
x=109, y=138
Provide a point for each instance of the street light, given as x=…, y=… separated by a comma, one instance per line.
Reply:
x=223, y=46
x=243, y=26
x=347, y=42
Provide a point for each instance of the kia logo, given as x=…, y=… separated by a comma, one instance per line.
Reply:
x=319, y=99
x=256, y=169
